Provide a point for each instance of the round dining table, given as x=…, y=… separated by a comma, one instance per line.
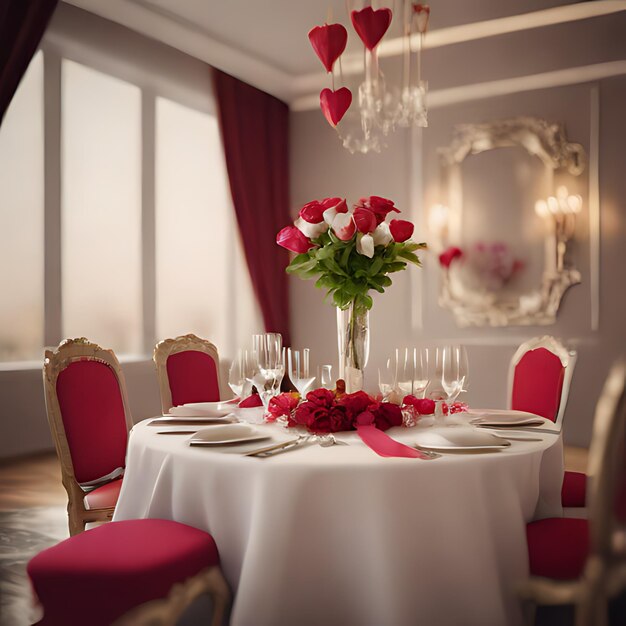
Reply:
x=341, y=536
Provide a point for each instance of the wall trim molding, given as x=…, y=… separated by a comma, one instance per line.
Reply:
x=505, y=86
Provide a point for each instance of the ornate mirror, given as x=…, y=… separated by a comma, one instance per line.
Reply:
x=504, y=232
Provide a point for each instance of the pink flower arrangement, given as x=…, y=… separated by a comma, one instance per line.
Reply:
x=350, y=251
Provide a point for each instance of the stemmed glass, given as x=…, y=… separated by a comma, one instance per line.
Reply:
x=421, y=374
x=299, y=371
x=240, y=374
x=405, y=370
x=454, y=371
x=387, y=379
x=268, y=365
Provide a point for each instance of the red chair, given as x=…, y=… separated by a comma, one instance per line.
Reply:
x=540, y=377
x=89, y=419
x=187, y=370
x=130, y=573
x=579, y=561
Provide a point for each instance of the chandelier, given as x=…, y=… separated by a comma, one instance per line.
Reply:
x=379, y=107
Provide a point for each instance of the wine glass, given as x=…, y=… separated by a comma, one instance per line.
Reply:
x=463, y=368
x=299, y=371
x=421, y=377
x=268, y=365
x=435, y=388
x=387, y=378
x=240, y=374
x=405, y=371
x=454, y=371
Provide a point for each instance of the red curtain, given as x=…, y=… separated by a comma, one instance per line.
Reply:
x=255, y=134
x=22, y=25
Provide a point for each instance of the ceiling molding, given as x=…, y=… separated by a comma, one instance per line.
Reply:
x=193, y=41
x=353, y=63
x=504, y=87
x=186, y=36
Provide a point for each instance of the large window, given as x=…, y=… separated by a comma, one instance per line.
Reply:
x=141, y=241
x=22, y=221
x=199, y=283
x=101, y=208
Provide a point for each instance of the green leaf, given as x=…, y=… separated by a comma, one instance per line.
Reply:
x=395, y=267
x=376, y=266
x=341, y=298
x=326, y=252
x=409, y=256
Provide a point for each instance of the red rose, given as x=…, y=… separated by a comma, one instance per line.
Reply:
x=388, y=415
x=293, y=239
x=283, y=404
x=339, y=204
x=380, y=207
x=321, y=397
x=366, y=418
x=312, y=212
x=447, y=256
x=251, y=401
x=401, y=230
x=423, y=406
x=355, y=403
x=365, y=220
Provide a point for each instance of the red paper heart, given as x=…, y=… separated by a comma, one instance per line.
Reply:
x=334, y=104
x=328, y=41
x=371, y=25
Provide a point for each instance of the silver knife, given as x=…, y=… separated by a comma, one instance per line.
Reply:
x=279, y=447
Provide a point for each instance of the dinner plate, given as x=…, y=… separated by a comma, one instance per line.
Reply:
x=460, y=439
x=506, y=418
x=177, y=430
x=171, y=420
x=227, y=434
x=202, y=409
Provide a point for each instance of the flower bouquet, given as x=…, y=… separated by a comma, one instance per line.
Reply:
x=326, y=411
x=350, y=252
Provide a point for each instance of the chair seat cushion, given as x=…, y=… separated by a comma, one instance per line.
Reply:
x=104, y=497
x=574, y=490
x=97, y=576
x=558, y=547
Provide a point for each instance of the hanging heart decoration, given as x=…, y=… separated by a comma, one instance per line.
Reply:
x=371, y=25
x=334, y=104
x=328, y=41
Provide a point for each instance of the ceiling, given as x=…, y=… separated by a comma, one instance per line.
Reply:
x=264, y=42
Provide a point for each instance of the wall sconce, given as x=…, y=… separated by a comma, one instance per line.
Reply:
x=439, y=226
x=560, y=212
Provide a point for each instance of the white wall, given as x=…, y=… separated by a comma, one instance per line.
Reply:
x=407, y=172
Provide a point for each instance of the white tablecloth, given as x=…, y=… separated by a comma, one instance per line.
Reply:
x=342, y=537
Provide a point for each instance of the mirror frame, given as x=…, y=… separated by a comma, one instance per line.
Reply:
x=546, y=140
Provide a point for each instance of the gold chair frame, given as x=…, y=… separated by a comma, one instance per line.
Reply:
x=568, y=360
x=605, y=571
x=69, y=351
x=166, y=348
x=167, y=611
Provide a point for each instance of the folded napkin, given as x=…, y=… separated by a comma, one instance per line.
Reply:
x=384, y=445
x=251, y=402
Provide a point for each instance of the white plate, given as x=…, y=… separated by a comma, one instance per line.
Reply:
x=177, y=430
x=226, y=434
x=462, y=439
x=170, y=420
x=506, y=418
x=202, y=409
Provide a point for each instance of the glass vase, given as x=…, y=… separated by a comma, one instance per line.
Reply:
x=353, y=339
